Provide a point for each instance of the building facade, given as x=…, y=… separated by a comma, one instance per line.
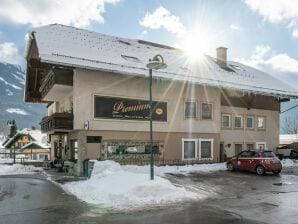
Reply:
x=98, y=108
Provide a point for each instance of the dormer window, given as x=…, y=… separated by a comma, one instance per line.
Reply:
x=130, y=58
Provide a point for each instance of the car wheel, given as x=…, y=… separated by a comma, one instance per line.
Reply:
x=230, y=167
x=276, y=171
x=260, y=170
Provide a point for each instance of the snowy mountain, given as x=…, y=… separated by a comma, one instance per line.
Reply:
x=12, y=106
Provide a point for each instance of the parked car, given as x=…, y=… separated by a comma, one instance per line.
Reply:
x=294, y=154
x=255, y=161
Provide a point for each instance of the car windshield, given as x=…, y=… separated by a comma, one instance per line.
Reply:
x=269, y=154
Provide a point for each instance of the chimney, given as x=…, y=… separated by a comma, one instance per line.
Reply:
x=221, y=56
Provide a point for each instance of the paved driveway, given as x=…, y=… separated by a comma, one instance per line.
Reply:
x=236, y=198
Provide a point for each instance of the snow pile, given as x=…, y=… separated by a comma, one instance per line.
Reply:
x=4, y=160
x=288, y=163
x=18, y=169
x=162, y=170
x=114, y=187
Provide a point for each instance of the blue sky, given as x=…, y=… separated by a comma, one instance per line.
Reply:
x=263, y=34
x=255, y=34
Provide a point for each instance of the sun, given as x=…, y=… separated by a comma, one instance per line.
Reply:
x=195, y=45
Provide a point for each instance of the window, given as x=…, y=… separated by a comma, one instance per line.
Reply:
x=247, y=154
x=74, y=149
x=261, y=123
x=261, y=145
x=190, y=109
x=225, y=120
x=206, y=149
x=189, y=149
x=250, y=122
x=238, y=121
x=269, y=154
x=250, y=146
x=130, y=58
x=207, y=111
x=238, y=148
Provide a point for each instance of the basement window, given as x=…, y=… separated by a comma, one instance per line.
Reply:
x=130, y=58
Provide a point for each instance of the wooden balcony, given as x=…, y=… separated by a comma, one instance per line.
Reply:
x=57, y=84
x=58, y=122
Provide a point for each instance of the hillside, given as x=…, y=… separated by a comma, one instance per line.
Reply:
x=12, y=80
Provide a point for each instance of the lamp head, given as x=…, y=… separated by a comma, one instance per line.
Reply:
x=156, y=63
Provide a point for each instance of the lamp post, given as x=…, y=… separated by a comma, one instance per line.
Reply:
x=156, y=63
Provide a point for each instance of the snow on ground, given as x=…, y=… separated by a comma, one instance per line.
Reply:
x=127, y=187
x=16, y=111
x=162, y=170
x=18, y=169
x=4, y=160
x=288, y=163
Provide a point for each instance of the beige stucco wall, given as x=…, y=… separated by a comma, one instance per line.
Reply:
x=89, y=83
x=270, y=134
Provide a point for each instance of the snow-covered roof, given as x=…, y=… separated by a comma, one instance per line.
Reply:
x=35, y=143
x=38, y=137
x=286, y=139
x=70, y=46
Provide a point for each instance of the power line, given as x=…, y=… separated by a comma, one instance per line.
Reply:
x=289, y=109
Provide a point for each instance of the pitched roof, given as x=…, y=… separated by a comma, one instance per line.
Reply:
x=36, y=135
x=35, y=145
x=70, y=46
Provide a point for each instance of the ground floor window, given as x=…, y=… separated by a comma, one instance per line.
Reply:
x=206, y=148
x=189, y=148
x=74, y=150
x=261, y=145
x=238, y=148
x=132, y=149
x=249, y=146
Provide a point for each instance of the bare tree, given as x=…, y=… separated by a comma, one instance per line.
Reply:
x=290, y=125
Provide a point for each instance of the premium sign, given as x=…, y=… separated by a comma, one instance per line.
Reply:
x=128, y=109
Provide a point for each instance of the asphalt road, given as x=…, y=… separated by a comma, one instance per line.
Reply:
x=235, y=198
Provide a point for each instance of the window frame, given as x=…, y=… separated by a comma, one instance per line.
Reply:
x=230, y=121
x=238, y=143
x=196, y=148
x=250, y=143
x=253, y=122
x=212, y=111
x=235, y=116
x=200, y=148
x=261, y=143
x=196, y=106
x=262, y=128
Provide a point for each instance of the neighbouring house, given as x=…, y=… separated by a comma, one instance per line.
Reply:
x=28, y=144
x=287, y=143
x=96, y=90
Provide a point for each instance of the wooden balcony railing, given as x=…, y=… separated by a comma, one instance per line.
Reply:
x=61, y=122
x=56, y=76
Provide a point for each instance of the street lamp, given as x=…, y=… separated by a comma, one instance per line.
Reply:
x=156, y=63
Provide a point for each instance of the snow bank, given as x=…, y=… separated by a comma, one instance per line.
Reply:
x=2, y=161
x=186, y=169
x=288, y=162
x=17, y=169
x=114, y=186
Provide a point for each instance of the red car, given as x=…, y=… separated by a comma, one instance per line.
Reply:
x=255, y=161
